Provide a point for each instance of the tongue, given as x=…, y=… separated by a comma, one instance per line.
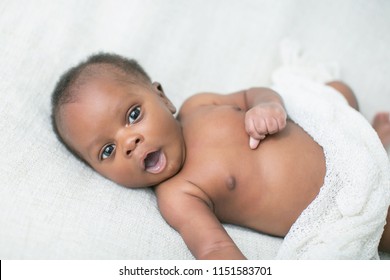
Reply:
x=152, y=159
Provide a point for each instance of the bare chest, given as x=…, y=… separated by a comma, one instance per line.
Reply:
x=283, y=174
x=218, y=148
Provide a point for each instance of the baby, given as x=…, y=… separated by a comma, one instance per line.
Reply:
x=234, y=158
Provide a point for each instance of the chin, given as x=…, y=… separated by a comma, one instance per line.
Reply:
x=171, y=170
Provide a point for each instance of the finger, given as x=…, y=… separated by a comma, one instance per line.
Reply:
x=282, y=122
x=255, y=128
x=253, y=143
x=272, y=125
x=261, y=127
x=254, y=135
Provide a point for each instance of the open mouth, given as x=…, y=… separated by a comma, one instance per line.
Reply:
x=155, y=162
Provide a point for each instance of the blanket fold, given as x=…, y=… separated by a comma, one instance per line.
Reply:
x=347, y=218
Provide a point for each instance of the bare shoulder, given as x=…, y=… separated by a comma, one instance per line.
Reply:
x=178, y=197
x=214, y=99
x=196, y=100
x=187, y=209
x=240, y=99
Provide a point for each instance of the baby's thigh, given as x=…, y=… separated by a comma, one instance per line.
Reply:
x=384, y=244
x=346, y=91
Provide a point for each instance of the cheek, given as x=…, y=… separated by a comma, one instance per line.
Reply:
x=166, y=124
x=160, y=127
x=124, y=174
x=116, y=172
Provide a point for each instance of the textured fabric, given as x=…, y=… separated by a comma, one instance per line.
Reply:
x=54, y=207
x=346, y=219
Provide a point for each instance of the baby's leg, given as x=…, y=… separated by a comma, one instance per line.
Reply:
x=346, y=91
x=384, y=244
x=381, y=122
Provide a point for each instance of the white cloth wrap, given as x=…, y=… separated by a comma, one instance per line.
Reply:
x=347, y=218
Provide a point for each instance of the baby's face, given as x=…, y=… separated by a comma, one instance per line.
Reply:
x=126, y=132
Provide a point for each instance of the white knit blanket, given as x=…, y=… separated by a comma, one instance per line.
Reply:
x=346, y=219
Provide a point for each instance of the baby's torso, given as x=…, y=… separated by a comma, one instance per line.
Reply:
x=265, y=189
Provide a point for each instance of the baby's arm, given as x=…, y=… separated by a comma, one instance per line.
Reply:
x=265, y=112
x=188, y=210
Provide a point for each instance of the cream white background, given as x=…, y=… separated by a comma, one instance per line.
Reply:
x=52, y=206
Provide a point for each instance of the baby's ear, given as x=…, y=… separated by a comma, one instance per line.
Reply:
x=158, y=86
x=160, y=91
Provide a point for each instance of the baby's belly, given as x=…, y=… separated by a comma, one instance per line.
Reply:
x=269, y=187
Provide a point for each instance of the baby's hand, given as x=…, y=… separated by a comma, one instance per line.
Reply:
x=264, y=119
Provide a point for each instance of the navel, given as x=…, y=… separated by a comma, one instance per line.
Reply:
x=231, y=183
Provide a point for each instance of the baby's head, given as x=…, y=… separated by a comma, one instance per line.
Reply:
x=109, y=114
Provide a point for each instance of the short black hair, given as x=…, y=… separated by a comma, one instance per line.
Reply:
x=64, y=92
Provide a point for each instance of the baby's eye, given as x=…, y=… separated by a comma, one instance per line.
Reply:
x=107, y=151
x=134, y=114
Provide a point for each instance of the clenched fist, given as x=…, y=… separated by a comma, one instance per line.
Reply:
x=263, y=119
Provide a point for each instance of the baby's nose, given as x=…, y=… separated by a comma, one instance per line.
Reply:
x=131, y=143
